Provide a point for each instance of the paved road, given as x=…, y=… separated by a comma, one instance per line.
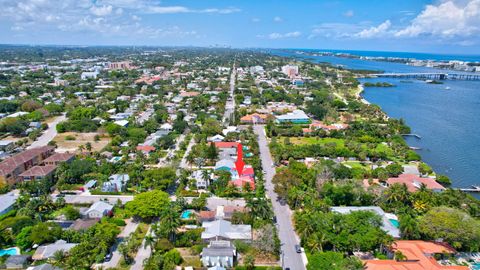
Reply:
x=171, y=152
x=286, y=233
x=48, y=134
x=183, y=162
x=116, y=256
x=230, y=105
x=85, y=199
x=143, y=253
x=144, y=116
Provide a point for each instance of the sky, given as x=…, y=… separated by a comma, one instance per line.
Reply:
x=440, y=26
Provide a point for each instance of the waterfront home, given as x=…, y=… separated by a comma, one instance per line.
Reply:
x=99, y=210
x=44, y=252
x=295, y=117
x=219, y=254
x=224, y=230
x=390, y=221
x=419, y=255
x=415, y=182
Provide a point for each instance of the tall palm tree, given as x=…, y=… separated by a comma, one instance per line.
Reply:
x=169, y=222
x=150, y=242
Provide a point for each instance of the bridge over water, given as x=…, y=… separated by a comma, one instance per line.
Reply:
x=429, y=76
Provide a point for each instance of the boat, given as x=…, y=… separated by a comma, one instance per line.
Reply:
x=447, y=88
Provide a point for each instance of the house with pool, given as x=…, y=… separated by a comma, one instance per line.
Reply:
x=390, y=221
x=295, y=117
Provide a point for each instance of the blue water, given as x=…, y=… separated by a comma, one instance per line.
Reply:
x=419, y=56
x=395, y=223
x=186, y=214
x=447, y=120
x=475, y=266
x=9, y=251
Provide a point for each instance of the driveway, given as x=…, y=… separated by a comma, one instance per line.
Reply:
x=286, y=233
x=85, y=199
x=48, y=134
x=143, y=253
x=116, y=256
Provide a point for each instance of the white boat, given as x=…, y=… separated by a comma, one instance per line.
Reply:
x=447, y=88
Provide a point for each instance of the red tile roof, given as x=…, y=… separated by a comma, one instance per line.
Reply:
x=244, y=180
x=206, y=215
x=10, y=164
x=414, y=181
x=226, y=144
x=146, y=148
x=419, y=257
x=40, y=171
x=59, y=157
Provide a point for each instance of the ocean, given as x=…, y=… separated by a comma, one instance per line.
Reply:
x=446, y=116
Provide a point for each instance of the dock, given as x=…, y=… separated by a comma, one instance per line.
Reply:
x=429, y=76
x=412, y=135
x=472, y=189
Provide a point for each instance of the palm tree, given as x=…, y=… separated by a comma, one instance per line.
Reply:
x=206, y=177
x=169, y=222
x=315, y=242
x=150, y=242
x=81, y=148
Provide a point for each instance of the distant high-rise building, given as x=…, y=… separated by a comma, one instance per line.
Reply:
x=290, y=70
x=121, y=65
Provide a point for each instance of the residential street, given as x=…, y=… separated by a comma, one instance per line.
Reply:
x=48, y=134
x=286, y=233
x=230, y=105
x=143, y=253
x=116, y=256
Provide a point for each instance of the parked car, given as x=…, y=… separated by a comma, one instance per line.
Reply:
x=298, y=249
x=108, y=257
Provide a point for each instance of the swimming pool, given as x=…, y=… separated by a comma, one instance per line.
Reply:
x=395, y=223
x=9, y=251
x=475, y=266
x=186, y=214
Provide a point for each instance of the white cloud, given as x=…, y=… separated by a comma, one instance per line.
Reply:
x=106, y=17
x=349, y=13
x=335, y=30
x=101, y=11
x=375, y=31
x=446, y=20
x=278, y=19
x=276, y=35
x=182, y=9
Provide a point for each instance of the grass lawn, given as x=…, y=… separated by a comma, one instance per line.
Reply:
x=355, y=164
x=313, y=140
x=65, y=145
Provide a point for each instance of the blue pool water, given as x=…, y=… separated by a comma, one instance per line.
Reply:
x=475, y=266
x=9, y=251
x=395, y=223
x=186, y=214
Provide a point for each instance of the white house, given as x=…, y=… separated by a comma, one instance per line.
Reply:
x=99, y=210
x=218, y=254
x=89, y=75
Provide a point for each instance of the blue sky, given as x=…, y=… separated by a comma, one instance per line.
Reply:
x=441, y=26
